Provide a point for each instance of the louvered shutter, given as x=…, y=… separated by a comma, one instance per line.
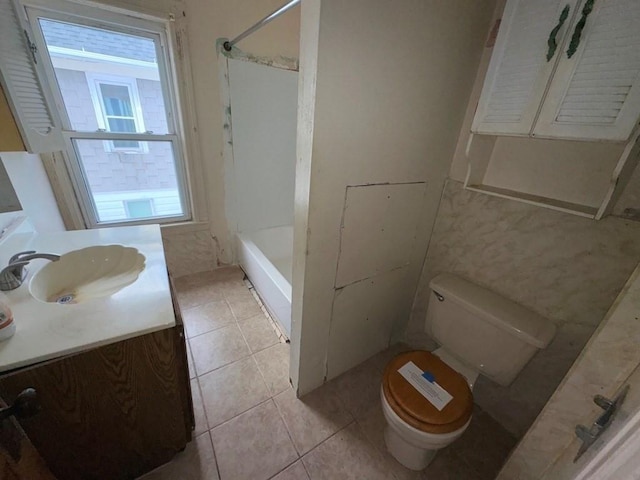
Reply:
x=21, y=79
x=519, y=71
x=596, y=93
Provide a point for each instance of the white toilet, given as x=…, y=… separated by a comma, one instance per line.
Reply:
x=480, y=332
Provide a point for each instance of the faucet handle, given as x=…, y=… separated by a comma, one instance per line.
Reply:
x=17, y=256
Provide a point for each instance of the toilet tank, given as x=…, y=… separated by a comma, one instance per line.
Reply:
x=486, y=331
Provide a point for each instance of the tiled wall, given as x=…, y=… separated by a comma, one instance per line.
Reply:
x=565, y=267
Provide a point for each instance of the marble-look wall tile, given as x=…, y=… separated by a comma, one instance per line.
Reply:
x=567, y=268
x=603, y=367
x=189, y=252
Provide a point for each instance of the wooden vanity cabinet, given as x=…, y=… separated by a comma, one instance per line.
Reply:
x=114, y=412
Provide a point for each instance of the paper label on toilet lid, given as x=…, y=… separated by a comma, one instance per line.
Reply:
x=433, y=392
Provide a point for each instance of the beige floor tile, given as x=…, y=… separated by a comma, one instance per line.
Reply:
x=273, y=363
x=243, y=305
x=313, y=418
x=233, y=287
x=372, y=425
x=258, y=332
x=218, y=348
x=449, y=466
x=207, y=317
x=196, y=462
x=193, y=296
x=347, y=455
x=294, y=472
x=198, y=409
x=192, y=369
x=231, y=390
x=359, y=388
x=254, y=445
x=485, y=458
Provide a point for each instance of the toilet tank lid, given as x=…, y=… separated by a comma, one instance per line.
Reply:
x=496, y=309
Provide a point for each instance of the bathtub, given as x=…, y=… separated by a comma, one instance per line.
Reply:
x=266, y=257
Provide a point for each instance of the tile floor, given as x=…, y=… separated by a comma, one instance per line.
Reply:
x=251, y=426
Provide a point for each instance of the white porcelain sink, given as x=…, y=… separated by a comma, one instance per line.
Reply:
x=88, y=273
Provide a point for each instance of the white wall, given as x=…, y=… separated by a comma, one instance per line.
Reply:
x=383, y=90
x=31, y=184
x=8, y=199
x=264, y=104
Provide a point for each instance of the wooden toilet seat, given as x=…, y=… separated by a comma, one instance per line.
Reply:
x=412, y=407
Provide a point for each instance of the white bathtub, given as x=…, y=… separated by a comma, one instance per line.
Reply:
x=266, y=257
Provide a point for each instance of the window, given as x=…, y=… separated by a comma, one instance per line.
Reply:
x=117, y=105
x=139, y=208
x=110, y=76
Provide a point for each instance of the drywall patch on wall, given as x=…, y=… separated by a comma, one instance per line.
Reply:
x=364, y=315
x=378, y=229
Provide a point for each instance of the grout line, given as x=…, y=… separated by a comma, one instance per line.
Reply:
x=198, y=375
x=328, y=438
x=241, y=413
x=286, y=427
x=215, y=455
x=206, y=417
x=209, y=331
x=299, y=459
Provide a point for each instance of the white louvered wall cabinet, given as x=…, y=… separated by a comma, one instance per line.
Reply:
x=566, y=70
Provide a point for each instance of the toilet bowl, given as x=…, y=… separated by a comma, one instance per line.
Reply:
x=480, y=332
x=416, y=429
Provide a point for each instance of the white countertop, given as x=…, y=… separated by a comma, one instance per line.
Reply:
x=48, y=330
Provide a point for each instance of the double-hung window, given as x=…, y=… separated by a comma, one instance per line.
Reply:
x=113, y=86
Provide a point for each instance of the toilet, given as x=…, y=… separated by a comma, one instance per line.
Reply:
x=479, y=332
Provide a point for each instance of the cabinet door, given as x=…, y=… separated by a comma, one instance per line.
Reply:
x=112, y=413
x=595, y=94
x=519, y=70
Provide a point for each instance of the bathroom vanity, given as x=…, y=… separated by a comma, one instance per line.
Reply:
x=110, y=373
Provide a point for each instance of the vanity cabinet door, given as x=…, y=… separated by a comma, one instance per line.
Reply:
x=595, y=91
x=111, y=413
x=19, y=460
x=522, y=64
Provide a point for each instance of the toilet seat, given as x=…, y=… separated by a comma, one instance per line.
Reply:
x=413, y=408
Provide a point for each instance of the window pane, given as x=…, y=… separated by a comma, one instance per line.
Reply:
x=102, y=73
x=117, y=100
x=116, y=179
x=139, y=208
x=126, y=145
x=121, y=125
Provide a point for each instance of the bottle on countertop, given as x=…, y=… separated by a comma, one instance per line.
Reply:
x=7, y=325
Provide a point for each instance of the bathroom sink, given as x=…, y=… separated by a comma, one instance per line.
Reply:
x=86, y=274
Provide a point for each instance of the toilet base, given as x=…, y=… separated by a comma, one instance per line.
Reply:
x=412, y=457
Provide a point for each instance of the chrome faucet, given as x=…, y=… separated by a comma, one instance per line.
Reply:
x=12, y=276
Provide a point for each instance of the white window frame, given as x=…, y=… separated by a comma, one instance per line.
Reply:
x=156, y=30
x=94, y=80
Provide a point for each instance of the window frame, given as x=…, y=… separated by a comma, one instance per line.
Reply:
x=94, y=81
x=154, y=29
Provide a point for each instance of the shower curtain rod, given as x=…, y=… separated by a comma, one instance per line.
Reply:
x=272, y=16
